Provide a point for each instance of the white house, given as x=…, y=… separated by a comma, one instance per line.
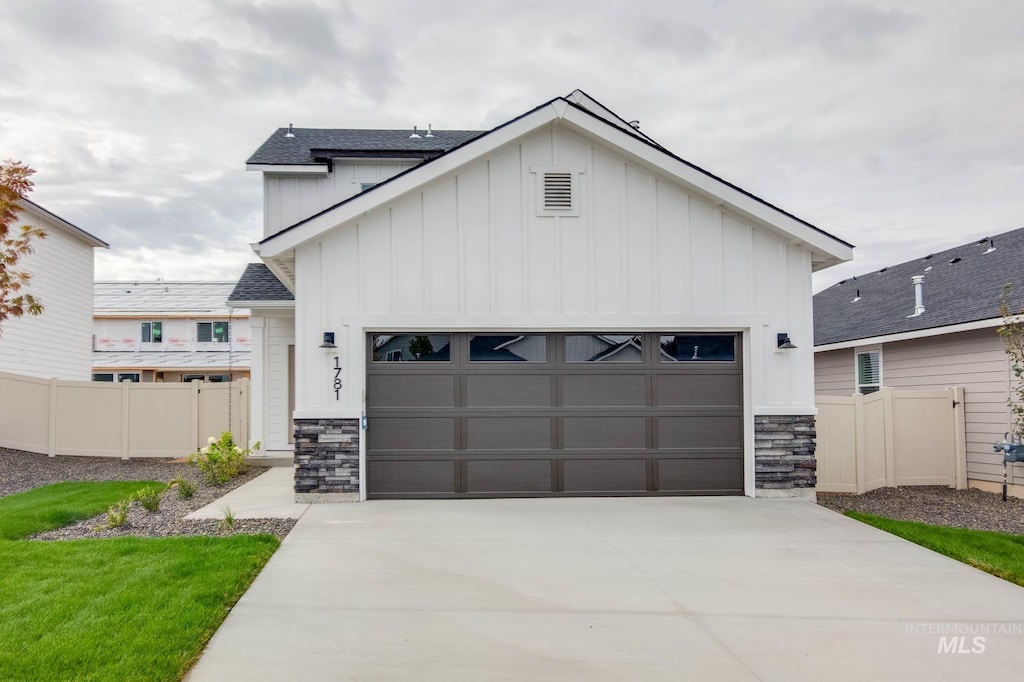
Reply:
x=558, y=306
x=57, y=343
x=168, y=331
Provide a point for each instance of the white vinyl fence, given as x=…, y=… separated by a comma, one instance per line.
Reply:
x=123, y=420
x=891, y=438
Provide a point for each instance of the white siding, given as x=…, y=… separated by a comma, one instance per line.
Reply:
x=280, y=334
x=287, y=199
x=470, y=251
x=57, y=343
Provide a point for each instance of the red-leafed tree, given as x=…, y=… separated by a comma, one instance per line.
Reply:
x=15, y=243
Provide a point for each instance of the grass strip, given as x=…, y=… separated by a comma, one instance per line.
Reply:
x=118, y=609
x=57, y=505
x=1000, y=554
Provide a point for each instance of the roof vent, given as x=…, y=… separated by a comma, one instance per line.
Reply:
x=635, y=125
x=415, y=133
x=557, y=191
x=991, y=247
x=928, y=257
x=857, y=297
x=289, y=133
x=882, y=270
x=918, y=281
x=954, y=261
x=430, y=130
x=928, y=269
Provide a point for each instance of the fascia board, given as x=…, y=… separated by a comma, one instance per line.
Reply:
x=909, y=336
x=285, y=169
x=54, y=219
x=716, y=191
x=290, y=238
x=261, y=304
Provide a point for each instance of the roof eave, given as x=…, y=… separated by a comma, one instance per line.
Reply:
x=76, y=231
x=987, y=323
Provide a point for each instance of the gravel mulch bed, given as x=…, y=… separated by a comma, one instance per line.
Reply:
x=938, y=505
x=21, y=471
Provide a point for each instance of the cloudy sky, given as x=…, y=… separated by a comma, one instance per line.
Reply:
x=896, y=125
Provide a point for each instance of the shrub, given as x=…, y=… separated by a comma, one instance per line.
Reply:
x=221, y=460
x=185, y=487
x=149, y=498
x=228, y=522
x=117, y=515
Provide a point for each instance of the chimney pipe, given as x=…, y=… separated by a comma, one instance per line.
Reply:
x=918, y=281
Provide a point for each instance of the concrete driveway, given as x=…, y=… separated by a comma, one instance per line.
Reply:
x=612, y=589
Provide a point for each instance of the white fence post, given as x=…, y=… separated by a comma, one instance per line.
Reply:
x=195, y=415
x=126, y=416
x=51, y=439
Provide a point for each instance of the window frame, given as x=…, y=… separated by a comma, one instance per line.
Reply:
x=103, y=374
x=858, y=384
x=123, y=376
x=154, y=325
x=213, y=336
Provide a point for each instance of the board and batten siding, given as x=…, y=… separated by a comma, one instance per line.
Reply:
x=975, y=360
x=471, y=250
x=287, y=199
x=57, y=343
x=280, y=335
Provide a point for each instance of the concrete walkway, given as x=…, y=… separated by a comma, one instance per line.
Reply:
x=612, y=589
x=268, y=496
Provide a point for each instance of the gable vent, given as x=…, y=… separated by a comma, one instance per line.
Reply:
x=558, y=191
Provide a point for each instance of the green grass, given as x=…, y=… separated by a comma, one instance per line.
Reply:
x=118, y=609
x=111, y=609
x=57, y=505
x=1000, y=554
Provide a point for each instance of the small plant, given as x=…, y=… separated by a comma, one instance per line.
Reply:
x=1012, y=333
x=221, y=460
x=117, y=515
x=228, y=522
x=149, y=498
x=185, y=487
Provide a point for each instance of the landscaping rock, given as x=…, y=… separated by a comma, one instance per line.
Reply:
x=936, y=505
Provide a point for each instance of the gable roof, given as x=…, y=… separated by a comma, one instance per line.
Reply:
x=314, y=146
x=258, y=284
x=73, y=230
x=961, y=285
x=135, y=298
x=585, y=113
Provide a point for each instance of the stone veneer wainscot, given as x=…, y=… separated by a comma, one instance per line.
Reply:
x=326, y=460
x=784, y=464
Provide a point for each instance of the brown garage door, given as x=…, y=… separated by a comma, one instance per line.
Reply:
x=508, y=415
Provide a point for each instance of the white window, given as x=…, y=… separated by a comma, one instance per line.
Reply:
x=103, y=376
x=363, y=186
x=193, y=377
x=869, y=371
x=128, y=376
x=212, y=332
x=152, y=332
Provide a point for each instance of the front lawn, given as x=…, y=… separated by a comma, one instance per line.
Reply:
x=1000, y=554
x=57, y=505
x=111, y=609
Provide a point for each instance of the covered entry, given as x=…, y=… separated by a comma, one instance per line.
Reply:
x=546, y=414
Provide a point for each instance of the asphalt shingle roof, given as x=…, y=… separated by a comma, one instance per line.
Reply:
x=258, y=283
x=962, y=284
x=311, y=146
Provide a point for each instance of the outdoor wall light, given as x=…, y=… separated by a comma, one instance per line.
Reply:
x=328, y=341
x=784, y=342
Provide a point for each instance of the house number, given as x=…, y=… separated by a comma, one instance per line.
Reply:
x=337, y=379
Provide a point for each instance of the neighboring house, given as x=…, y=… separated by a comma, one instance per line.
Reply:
x=559, y=306
x=871, y=331
x=56, y=343
x=168, y=331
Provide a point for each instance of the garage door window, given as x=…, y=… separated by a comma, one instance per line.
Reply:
x=604, y=348
x=411, y=347
x=698, y=348
x=508, y=348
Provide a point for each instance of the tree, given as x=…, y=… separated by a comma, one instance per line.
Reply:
x=14, y=188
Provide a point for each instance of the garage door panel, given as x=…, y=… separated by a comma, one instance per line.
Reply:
x=688, y=390
x=604, y=433
x=508, y=476
x=412, y=476
x=609, y=390
x=699, y=431
x=508, y=390
x=508, y=433
x=413, y=433
x=411, y=390
x=695, y=474
x=605, y=475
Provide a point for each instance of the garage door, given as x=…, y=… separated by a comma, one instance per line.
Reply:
x=542, y=414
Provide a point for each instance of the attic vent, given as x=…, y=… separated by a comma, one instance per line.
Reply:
x=558, y=191
x=882, y=270
x=954, y=261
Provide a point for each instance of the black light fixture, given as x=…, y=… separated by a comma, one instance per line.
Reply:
x=784, y=342
x=328, y=341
